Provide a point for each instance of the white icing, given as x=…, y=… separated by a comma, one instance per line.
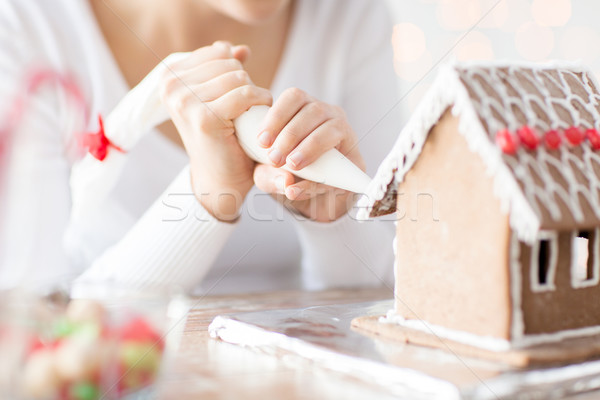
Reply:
x=407, y=380
x=577, y=283
x=487, y=342
x=484, y=342
x=517, y=328
x=448, y=91
x=141, y=110
x=536, y=286
x=332, y=168
x=523, y=205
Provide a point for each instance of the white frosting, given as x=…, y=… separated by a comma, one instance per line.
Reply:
x=136, y=114
x=523, y=206
x=577, y=283
x=405, y=380
x=536, y=285
x=484, y=342
x=332, y=168
x=448, y=91
x=141, y=110
x=517, y=328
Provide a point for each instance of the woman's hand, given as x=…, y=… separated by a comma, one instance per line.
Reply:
x=297, y=130
x=203, y=94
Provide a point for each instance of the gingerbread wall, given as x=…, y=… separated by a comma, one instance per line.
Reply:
x=453, y=240
x=565, y=307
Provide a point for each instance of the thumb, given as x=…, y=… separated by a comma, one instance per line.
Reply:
x=270, y=179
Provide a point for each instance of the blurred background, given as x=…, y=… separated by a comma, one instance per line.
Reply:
x=532, y=30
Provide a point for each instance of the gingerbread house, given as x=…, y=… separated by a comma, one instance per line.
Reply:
x=496, y=183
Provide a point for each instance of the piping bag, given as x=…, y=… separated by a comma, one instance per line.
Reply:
x=141, y=110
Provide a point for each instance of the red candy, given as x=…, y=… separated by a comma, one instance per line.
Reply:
x=593, y=137
x=574, y=135
x=506, y=141
x=552, y=139
x=528, y=137
x=139, y=330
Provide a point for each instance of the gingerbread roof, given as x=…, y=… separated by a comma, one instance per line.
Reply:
x=536, y=129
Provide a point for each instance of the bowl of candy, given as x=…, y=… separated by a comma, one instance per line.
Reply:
x=104, y=343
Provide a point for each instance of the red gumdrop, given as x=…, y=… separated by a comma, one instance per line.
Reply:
x=593, y=137
x=506, y=141
x=35, y=345
x=552, y=139
x=574, y=135
x=528, y=137
x=139, y=330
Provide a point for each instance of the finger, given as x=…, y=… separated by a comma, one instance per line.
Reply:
x=302, y=125
x=327, y=136
x=217, y=87
x=287, y=105
x=219, y=50
x=241, y=52
x=272, y=180
x=304, y=190
x=235, y=102
x=207, y=71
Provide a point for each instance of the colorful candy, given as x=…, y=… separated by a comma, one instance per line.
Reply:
x=68, y=361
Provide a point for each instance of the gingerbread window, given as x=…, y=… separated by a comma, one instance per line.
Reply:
x=585, y=263
x=544, y=257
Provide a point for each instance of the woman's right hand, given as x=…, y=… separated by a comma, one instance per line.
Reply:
x=203, y=94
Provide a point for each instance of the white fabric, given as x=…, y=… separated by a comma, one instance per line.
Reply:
x=338, y=51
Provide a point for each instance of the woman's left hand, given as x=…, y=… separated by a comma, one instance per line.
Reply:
x=297, y=130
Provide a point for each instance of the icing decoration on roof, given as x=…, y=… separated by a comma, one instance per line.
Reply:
x=542, y=189
x=97, y=143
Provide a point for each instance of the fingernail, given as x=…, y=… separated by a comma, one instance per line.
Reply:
x=264, y=138
x=293, y=193
x=280, y=184
x=296, y=159
x=275, y=156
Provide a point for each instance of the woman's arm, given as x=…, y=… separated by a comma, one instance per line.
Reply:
x=178, y=238
x=173, y=244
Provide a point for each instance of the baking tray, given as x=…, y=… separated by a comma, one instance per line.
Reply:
x=323, y=335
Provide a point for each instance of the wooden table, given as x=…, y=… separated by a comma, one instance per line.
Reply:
x=206, y=368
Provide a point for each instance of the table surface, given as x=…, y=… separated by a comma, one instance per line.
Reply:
x=205, y=368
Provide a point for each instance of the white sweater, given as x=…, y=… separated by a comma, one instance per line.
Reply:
x=337, y=50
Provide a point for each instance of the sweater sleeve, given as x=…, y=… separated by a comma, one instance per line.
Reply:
x=347, y=252
x=173, y=244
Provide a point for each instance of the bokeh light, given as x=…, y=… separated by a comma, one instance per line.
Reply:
x=580, y=43
x=409, y=42
x=551, y=12
x=497, y=16
x=519, y=12
x=534, y=42
x=475, y=46
x=458, y=15
x=413, y=71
